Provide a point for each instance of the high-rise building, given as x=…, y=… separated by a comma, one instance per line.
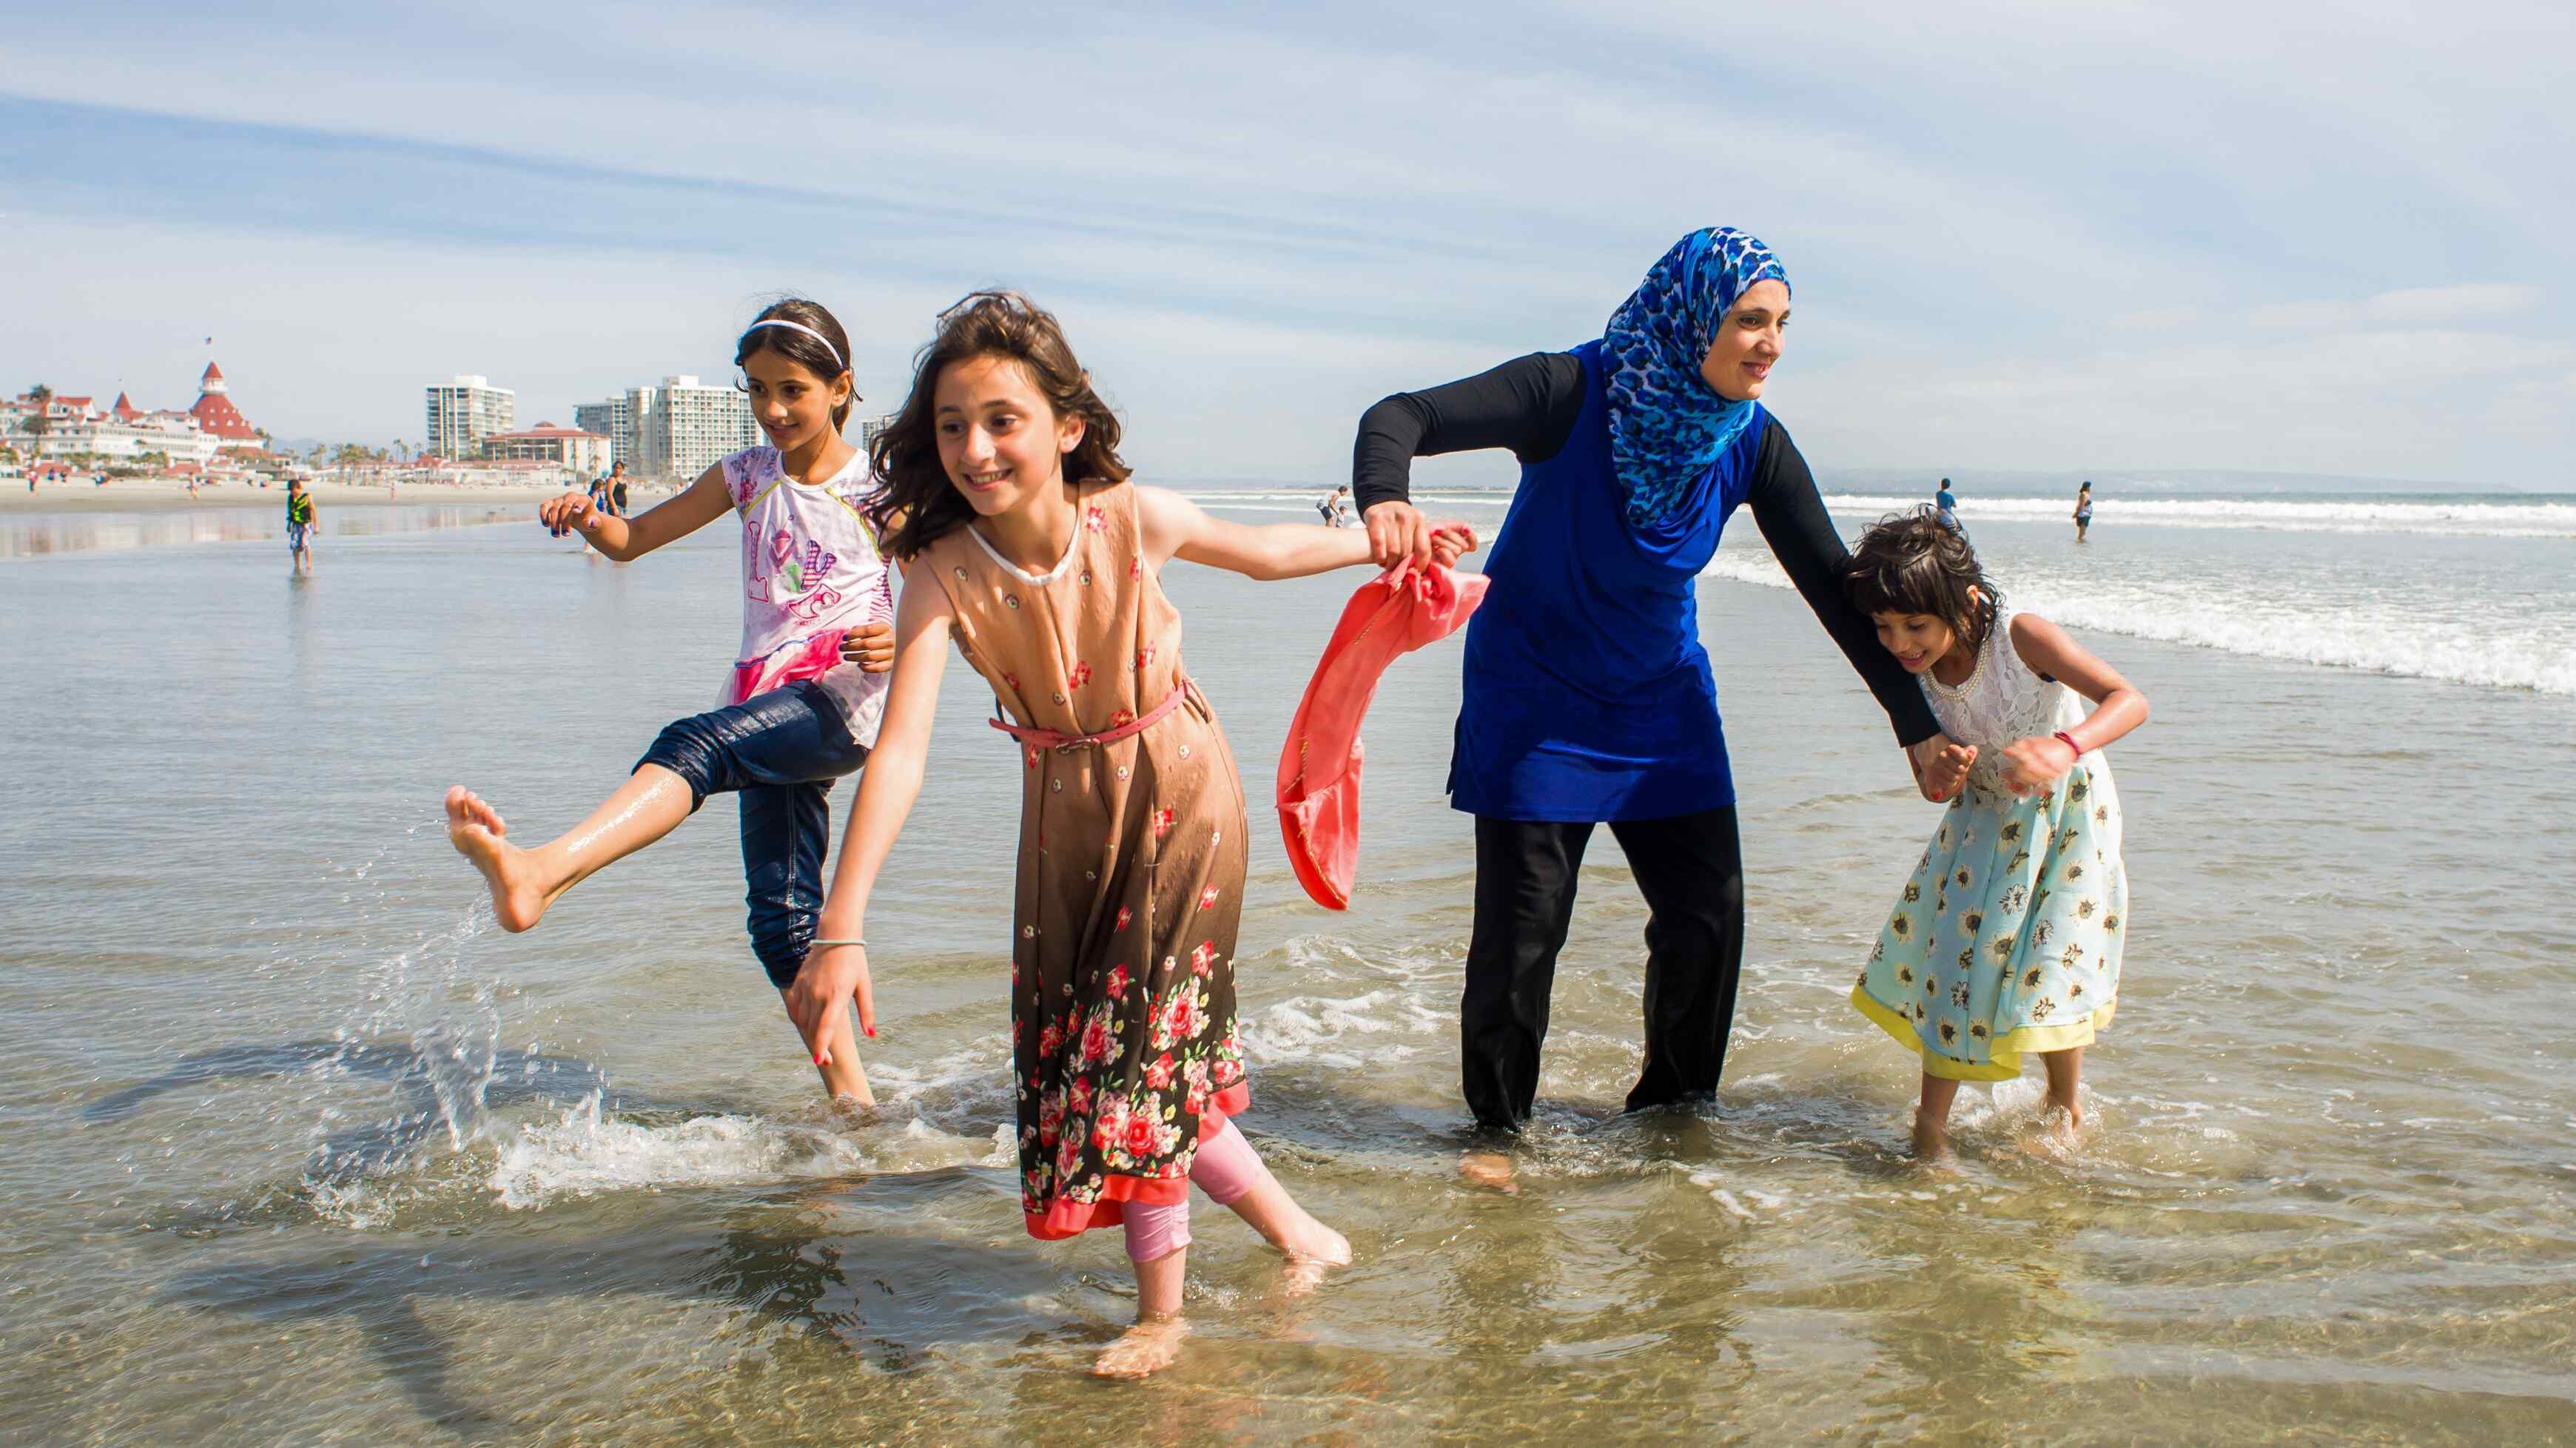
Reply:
x=681, y=427
x=617, y=418
x=464, y=412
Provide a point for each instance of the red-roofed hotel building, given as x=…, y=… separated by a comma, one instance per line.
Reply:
x=584, y=454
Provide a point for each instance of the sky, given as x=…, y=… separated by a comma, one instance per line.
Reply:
x=2021, y=236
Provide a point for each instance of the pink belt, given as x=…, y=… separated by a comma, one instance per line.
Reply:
x=1067, y=743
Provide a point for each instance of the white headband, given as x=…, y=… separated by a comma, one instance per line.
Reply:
x=808, y=331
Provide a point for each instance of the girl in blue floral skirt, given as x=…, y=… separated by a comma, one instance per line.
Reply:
x=2007, y=938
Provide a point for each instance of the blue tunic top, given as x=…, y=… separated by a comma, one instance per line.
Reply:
x=1587, y=694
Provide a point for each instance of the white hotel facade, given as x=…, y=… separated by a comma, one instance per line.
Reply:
x=673, y=430
x=462, y=412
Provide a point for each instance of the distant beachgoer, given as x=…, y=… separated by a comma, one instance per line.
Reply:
x=617, y=489
x=2008, y=937
x=1948, y=504
x=1324, y=510
x=299, y=528
x=794, y=717
x=2083, y=509
x=1342, y=506
x=1025, y=542
x=1588, y=696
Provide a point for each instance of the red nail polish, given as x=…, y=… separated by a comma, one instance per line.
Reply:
x=872, y=1031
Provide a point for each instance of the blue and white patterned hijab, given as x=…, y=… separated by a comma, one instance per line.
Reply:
x=1666, y=425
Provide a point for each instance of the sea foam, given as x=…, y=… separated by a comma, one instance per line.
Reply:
x=2385, y=640
x=2459, y=518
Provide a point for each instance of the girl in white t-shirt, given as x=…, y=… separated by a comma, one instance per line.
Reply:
x=793, y=717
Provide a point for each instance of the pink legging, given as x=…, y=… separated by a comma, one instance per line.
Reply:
x=1225, y=1168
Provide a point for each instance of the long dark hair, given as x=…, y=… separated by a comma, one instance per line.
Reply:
x=915, y=504
x=799, y=348
x=1914, y=563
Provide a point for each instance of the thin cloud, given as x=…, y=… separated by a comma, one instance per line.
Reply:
x=2005, y=217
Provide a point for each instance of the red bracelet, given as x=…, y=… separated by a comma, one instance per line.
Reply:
x=2062, y=737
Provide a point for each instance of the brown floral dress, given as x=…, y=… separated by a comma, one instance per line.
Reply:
x=1130, y=871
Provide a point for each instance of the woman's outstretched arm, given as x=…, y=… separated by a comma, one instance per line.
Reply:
x=1529, y=405
x=887, y=788
x=1794, y=522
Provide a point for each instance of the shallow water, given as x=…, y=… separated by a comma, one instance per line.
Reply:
x=40, y=534
x=299, y=1147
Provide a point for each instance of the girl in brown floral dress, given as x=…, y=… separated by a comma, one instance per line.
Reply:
x=1024, y=541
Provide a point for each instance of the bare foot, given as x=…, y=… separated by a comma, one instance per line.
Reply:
x=1492, y=1170
x=2056, y=1138
x=1932, y=1152
x=1313, y=1250
x=476, y=830
x=1143, y=1350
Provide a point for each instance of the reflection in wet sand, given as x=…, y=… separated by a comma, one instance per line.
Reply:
x=38, y=535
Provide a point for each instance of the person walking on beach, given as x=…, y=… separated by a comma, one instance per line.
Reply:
x=794, y=717
x=2083, y=509
x=299, y=528
x=617, y=489
x=1588, y=697
x=1024, y=540
x=1947, y=503
x=2008, y=936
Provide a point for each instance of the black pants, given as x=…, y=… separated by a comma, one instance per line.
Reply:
x=1690, y=869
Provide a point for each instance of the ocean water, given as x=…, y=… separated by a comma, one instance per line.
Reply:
x=298, y=1146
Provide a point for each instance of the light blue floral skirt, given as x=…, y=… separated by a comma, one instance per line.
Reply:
x=2007, y=939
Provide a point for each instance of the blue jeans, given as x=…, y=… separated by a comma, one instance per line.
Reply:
x=782, y=752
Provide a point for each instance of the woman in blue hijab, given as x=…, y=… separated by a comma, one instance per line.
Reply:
x=1588, y=695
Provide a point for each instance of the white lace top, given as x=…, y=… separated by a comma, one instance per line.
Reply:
x=811, y=574
x=2002, y=700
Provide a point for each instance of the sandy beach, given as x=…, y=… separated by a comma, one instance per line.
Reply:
x=149, y=495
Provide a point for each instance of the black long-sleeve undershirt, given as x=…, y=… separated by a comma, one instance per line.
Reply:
x=1530, y=405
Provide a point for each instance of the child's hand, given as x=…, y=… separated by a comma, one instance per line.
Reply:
x=830, y=975
x=870, y=646
x=2032, y=765
x=1941, y=767
x=571, y=510
x=1450, y=542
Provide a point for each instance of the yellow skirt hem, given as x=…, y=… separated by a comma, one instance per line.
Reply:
x=2004, y=1061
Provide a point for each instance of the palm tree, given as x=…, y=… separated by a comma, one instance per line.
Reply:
x=37, y=422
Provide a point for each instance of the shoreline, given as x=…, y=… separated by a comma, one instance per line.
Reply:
x=154, y=495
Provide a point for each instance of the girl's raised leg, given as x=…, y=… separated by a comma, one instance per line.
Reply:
x=1932, y=1121
x=1231, y=1173
x=650, y=804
